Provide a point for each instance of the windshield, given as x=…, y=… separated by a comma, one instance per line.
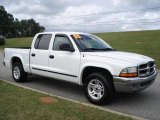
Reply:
x=90, y=43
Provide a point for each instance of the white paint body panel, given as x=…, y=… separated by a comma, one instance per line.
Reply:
x=39, y=61
x=23, y=54
x=66, y=63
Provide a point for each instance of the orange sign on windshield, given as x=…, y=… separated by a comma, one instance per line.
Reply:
x=77, y=36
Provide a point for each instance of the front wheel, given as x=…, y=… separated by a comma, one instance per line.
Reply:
x=99, y=88
x=18, y=73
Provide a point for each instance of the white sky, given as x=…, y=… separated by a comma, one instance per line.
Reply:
x=43, y=11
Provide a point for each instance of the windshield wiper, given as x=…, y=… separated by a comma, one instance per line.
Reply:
x=104, y=49
x=108, y=49
x=91, y=49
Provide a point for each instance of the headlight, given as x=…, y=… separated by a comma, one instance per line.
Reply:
x=129, y=72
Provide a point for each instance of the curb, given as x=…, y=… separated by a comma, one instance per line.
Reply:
x=85, y=104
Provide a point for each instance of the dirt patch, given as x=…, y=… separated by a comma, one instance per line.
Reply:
x=81, y=108
x=48, y=100
x=138, y=43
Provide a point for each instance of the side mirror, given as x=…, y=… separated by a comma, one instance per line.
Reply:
x=66, y=47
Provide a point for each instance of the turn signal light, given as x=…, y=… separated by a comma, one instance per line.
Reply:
x=128, y=75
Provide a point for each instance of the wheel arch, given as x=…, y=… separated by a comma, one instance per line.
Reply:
x=15, y=59
x=90, y=69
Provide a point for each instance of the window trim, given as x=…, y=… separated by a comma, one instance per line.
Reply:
x=37, y=41
x=62, y=35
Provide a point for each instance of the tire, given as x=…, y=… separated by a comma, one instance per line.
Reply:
x=18, y=73
x=99, y=88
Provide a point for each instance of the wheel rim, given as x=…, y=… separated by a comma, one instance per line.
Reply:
x=96, y=89
x=16, y=72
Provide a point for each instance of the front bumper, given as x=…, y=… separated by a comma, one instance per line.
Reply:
x=133, y=84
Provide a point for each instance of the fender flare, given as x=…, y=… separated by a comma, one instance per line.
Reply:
x=17, y=56
x=106, y=67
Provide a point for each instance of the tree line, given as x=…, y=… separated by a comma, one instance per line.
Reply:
x=11, y=27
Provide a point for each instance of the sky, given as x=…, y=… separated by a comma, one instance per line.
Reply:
x=84, y=15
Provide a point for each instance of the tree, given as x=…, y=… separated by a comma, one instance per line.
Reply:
x=11, y=27
x=28, y=28
x=6, y=22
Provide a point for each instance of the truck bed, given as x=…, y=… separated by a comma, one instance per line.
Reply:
x=22, y=52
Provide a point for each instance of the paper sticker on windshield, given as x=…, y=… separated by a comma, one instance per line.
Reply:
x=77, y=36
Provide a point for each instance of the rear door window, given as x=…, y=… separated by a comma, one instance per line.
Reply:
x=43, y=41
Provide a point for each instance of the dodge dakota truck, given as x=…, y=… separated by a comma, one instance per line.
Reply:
x=84, y=59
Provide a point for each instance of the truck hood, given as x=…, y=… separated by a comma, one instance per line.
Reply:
x=124, y=56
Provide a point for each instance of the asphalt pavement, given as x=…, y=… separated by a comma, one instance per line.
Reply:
x=145, y=104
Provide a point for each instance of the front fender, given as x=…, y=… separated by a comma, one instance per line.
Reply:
x=99, y=65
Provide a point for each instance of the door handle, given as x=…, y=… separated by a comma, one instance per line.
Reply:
x=33, y=54
x=51, y=56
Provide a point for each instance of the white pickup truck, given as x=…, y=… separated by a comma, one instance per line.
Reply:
x=84, y=59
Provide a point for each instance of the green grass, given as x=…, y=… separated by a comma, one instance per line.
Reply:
x=17, y=42
x=21, y=104
x=142, y=42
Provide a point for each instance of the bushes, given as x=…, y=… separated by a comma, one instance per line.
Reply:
x=2, y=40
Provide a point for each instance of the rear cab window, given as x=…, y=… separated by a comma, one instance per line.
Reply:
x=42, y=42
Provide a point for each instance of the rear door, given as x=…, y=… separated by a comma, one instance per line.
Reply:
x=39, y=54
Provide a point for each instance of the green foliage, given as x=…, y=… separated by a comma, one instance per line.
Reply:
x=11, y=27
x=27, y=28
x=6, y=22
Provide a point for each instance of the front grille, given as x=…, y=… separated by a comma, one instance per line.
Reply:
x=146, y=69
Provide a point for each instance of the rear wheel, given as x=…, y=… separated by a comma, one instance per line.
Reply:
x=99, y=88
x=18, y=73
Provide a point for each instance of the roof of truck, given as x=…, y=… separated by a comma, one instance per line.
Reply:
x=62, y=32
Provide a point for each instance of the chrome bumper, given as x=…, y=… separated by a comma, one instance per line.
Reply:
x=133, y=84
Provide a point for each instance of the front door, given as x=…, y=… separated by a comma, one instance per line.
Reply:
x=63, y=64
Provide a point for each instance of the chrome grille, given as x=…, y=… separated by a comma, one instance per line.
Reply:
x=146, y=69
